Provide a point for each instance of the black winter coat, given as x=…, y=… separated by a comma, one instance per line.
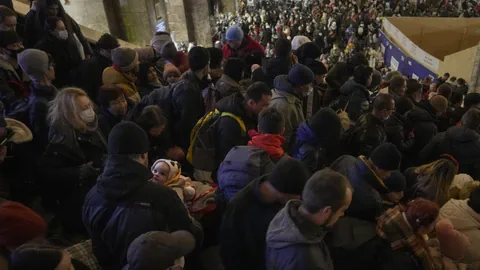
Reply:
x=37, y=112
x=356, y=96
x=124, y=204
x=336, y=77
x=368, y=133
x=395, y=132
x=244, y=228
x=88, y=75
x=107, y=121
x=65, y=54
x=423, y=125
x=11, y=90
x=276, y=66
x=460, y=142
x=229, y=132
x=188, y=107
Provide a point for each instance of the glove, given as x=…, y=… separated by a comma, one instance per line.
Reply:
x=88, y=171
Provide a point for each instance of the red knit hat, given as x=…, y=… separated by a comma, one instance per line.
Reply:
x=19, y=224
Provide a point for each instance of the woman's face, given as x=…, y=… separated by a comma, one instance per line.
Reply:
x=152, y=75
x=66, y=262
x=118, y=107
x=157, y=131
x=52, y=10
x=83, y=103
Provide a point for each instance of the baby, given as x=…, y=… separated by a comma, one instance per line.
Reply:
x=198, y=196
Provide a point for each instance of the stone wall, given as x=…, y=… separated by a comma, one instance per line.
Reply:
x=198, y=22
x=227, y=6
x=89, y=13
x=136, y=21
x=177, y=21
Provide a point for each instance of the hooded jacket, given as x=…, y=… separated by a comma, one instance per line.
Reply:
x=126, y=82
x=276, y=66
x=368, y=133
x=336, y=77
x=289, y=104
x=460, y=142
x=124, y=204
x=366, y=200
x=357, y=97
x=244, y=227
x=248, y=46
x=309, y=149
x=293, y=242
x=227, y=86
x=466, y=221
x=423, y=126
x=229, y=132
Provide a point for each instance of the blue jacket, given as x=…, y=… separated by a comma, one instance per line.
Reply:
x=294, y=243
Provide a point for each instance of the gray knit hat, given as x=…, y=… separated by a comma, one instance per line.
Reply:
x=125, y=59
x=34, y=63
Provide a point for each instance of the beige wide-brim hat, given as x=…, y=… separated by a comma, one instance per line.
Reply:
x=22, y=133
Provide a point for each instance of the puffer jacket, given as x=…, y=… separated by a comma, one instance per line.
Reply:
x=466, y=221
x=460, y=142
x=336, y=77
x=112, y=76
x=368, y=133
x=368, y=187
x=248, y=46
x=293, y=242
x=227, y=86
x=284, y=100
x=124, y=204
x=357, y=98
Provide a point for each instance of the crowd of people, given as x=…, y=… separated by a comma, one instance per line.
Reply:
x=229, y=158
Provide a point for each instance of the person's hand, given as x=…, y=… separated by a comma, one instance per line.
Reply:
x=3, y=153
x=87, y=171
x=176, y=153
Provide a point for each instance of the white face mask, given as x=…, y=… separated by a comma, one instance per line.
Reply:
x=87, y=115
x=61, y=34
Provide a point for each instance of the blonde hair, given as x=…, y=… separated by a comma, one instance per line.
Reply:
x=63, y=109
x=438, y=174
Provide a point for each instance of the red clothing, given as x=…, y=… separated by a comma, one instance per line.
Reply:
x=248, y=46
x=270, y=143
x=181, y=62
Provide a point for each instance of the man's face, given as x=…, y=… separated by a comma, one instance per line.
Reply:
x=9, y=24
x=387, y=112
x=234, y=44
x=52, y=10
x=401, y=91
x=341, y=211
x=262, y=104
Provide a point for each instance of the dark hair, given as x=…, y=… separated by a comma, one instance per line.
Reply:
x=474, y=200
x=382, y=101
x=471, y=99
x=8, y=38
x=107, y=42
x=107, y=94
x=361, y=74
x=413, y=86
x=397, y=82
x=271, y=121
x=403, y=105
x=461, y=81
x=216, y=57
x=257, y=90
x=152, y=116
x=6, y=12
x=471, y=119
x=421, y=213
x=169, y=51
x=234, y=68
x=354, y=61
x=308, y=51
x=30, y=256
x=325, y=188
x=51, y=23
x=453, y=79
x=446, y=74
x=283, y=47
x=456, y=97
x=42, y=13
x=445, y=90
x=142, y=76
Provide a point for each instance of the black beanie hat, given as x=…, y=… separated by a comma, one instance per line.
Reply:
x=471, y=99
x=289, y=176
x=233, y=68
x=107, y=42
x=8, y=38
x=403, y=105
x=396, y=182
x=127, y=138
x=386, y=157
x=317, y=67
x=216, y=57
x=198, y=58
x=307, y=51
x=300, y=75
x=325, y=124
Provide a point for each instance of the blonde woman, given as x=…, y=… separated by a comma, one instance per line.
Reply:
x=431, y=181
x=74, y=155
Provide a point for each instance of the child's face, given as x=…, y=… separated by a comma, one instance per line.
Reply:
x=172, y=78
x=395, y=197
x=161, y=172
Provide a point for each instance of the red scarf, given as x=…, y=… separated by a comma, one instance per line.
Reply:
x=270, y=143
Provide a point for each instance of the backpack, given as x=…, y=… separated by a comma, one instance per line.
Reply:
x=241, y=166
x=203, y=138
x=162, y=97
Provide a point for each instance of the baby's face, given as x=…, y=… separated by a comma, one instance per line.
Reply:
x=161, y=172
